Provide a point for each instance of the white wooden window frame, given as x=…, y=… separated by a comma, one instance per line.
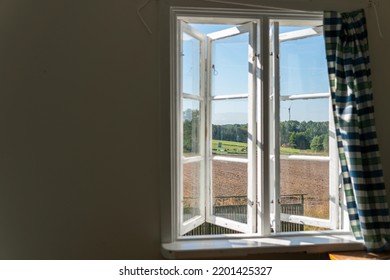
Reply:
x=334, y=221
x=206, y=157
x=187, y=225
x=265, y=148
x=248, y=227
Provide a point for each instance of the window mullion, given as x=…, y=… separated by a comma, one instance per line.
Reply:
x=334, y=182
x=208, y=130
x=192, y=97
x=275, y=121
x=265, y=128
x=304, y=96
x=252, y=141
x=230, y=97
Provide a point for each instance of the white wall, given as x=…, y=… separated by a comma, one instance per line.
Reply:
x=80, y=159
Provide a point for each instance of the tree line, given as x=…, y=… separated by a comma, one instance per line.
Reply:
x=299, y=135
x=305, y=135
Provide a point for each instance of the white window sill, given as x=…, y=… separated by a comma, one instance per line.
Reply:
x=236, y=247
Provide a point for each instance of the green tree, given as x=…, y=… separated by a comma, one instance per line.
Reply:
x=231, y=132
x=292, y=139
x=298, y=140
x=286, y=128
x=316, y=144
x=325, y=142
x=291, y=133
x=191, y=131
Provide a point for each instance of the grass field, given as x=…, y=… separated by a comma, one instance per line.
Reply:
x=229, y=148
x=240, y=149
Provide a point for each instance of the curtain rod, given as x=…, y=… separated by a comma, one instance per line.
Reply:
x=371, y=4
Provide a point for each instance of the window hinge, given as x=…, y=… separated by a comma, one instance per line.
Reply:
x=340, y=196
x=272, y=54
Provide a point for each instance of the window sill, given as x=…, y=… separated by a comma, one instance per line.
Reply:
x=222, y=248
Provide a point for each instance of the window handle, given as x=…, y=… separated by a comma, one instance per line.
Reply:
x=215, y=72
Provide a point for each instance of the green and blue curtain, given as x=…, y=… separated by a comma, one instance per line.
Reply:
x=352, y=100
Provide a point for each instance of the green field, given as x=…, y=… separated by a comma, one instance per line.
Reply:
x=240, y=149
x=292, y=151
x=229, y=148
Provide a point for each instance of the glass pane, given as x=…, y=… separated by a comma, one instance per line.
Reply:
x=230, y=66
x=230, y=127
x=191, y=64
x=304, y=127
x=191, y=127
x=304, y=188
x=304, y=130
x=191, y=190
x=230, y=190
x=210, y=28
x=303, y=66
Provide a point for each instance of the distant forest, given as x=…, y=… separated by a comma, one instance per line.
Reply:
x=305, y=135
x=299, y=135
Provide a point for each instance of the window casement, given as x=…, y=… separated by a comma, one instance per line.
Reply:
x=290, y=49
x=253, y=140
x=202, y=96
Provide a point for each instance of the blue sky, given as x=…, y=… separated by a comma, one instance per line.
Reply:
x=302, y=70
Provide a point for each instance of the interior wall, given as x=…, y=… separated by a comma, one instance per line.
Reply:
x=78, y=122
x=380, y=59
x=83, y=150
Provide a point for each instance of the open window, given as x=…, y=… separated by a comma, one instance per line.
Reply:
x=305, y=191
x=218, y=136
x=255, y=142
x=192, y=141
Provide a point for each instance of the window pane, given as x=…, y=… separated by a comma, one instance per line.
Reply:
x=230, y=190
x=229, y=73
x=303, y=67
x=191, y=190
x=230, y=127
x=210, y=27
x=304, y=127
x=191, y=65
x=191, y=127
x=304, y=188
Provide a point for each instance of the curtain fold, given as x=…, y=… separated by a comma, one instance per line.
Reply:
x=350, y=84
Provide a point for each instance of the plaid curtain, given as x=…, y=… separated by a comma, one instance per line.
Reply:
x=350, y=85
